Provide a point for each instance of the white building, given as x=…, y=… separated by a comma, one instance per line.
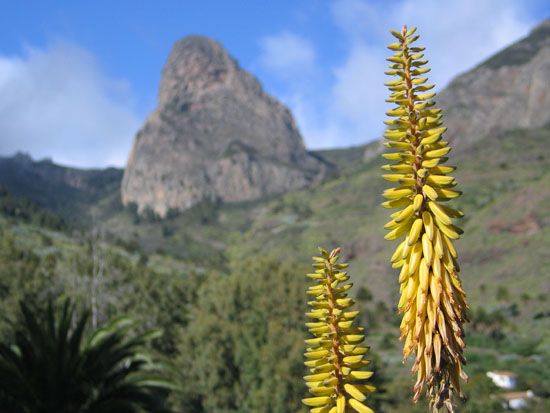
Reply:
x=516, y=400
x=503, y=379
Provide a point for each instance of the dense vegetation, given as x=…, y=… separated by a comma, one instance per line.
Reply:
x=225, y=283
x=237, y=329
x=52, y=364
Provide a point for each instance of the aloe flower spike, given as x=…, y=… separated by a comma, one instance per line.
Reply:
x=432, y=302
x=335, y=355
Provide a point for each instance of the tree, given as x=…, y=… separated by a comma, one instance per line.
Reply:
x=502, y=294
x=98, y=269
x=241, y=350
x=50, y=365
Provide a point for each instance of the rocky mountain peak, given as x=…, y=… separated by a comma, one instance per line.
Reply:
x=216, y=135
x=508, y=90
x=522, y=51
x=196, y=66
x=543, y=26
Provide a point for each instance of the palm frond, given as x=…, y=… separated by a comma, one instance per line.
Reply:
x=51, y=366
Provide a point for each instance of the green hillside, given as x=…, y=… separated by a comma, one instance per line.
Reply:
x=66, y=191
x=226, y=284
x=505, y=180
x=506, y=184
x=168, y=272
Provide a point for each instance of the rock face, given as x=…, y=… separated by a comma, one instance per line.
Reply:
x=509, y=90
x=215, y=135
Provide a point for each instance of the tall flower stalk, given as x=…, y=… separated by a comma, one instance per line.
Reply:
x=432, y=299
x=335, y=356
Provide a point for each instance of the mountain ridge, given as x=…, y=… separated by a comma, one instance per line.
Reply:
x=180, y=273
x=216, y=135
x=508, y=90
x=56, y=187
x=23, y=180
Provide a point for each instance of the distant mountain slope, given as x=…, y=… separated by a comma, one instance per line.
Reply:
x=505, y=177
x=69, y=191
x=212, y=233
x=215, y=135
x=507, y=91
x=506, y=184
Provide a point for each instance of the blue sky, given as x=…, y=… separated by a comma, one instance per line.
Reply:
x=78, y=79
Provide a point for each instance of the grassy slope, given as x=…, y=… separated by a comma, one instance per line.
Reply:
x=63, y=190
x=506, y=184
x=506, y=200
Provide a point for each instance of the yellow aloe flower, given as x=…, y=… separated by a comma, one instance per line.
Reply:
x=432, y=300
x=335, y=355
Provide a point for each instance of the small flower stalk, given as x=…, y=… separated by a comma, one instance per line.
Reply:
x=432, y=300
x=335, y=355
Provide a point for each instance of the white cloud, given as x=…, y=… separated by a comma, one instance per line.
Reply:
x=58, y=103
x=359, y=92
x=349, y=108
x=344, y=113
x=287, y=53
x=457, y=34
